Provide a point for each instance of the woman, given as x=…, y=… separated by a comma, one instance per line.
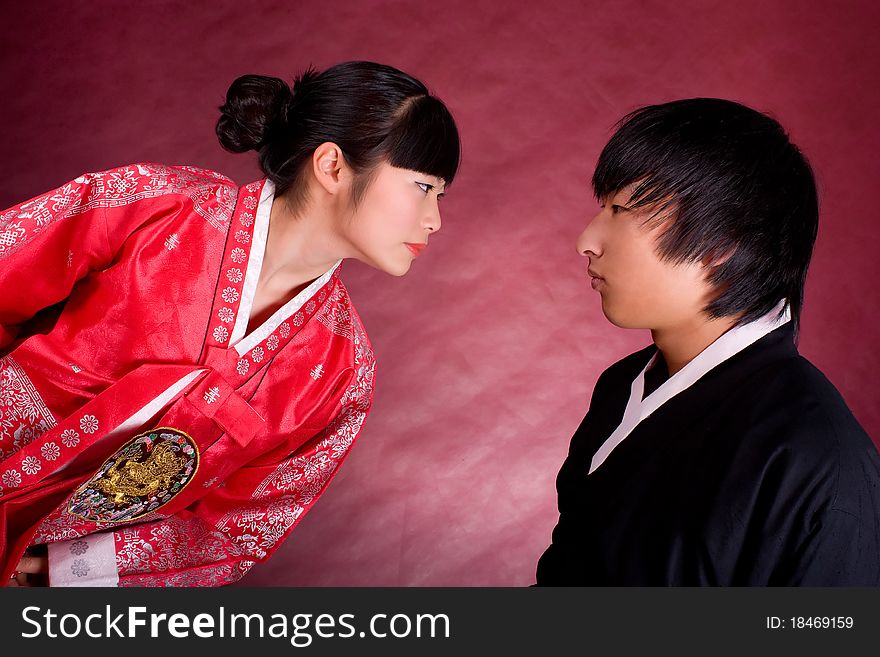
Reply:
x=181, y=370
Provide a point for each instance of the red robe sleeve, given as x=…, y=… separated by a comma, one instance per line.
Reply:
x=47, y=244
x=51, y=242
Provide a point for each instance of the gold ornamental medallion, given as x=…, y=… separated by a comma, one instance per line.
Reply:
x=142, y=476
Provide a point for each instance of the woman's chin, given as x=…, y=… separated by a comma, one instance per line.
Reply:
x=393, y=267
x=397, y=269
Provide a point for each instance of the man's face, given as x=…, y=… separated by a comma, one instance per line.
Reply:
x=638, y=289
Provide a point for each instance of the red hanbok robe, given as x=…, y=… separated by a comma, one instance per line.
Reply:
x=143, y=434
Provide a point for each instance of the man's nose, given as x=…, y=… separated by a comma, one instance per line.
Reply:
x=588, y=242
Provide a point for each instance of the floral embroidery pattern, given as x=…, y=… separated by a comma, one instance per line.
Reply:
x=226, y=315
x=221, y=333
x=80, y=567
x=79, y=547
x=50, y=451
x=284, y=330
x=23, y=414
x=59, y=526
x=172, y=545
x=242, y=237
x=257, y=354
x=31, y=465
x=238, y=255
x=272, y=342
x=234, y=275
x=230, y=295
x=242, y=366
x=246, y=218
x=11, y=478
x=88, y=424
x=69, y=438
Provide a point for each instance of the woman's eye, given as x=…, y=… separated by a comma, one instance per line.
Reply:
x=425, y=187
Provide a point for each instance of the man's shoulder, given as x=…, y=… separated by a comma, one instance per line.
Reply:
x=790, y=412
x=801, y=390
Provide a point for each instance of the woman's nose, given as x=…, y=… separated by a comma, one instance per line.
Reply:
x=432, y=221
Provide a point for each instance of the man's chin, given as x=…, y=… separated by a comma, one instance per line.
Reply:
x=620, y=320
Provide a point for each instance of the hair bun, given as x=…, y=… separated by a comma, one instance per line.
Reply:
x=256, y=107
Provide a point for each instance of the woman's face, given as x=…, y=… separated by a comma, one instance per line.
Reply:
x=638, y=289
x=396, y=215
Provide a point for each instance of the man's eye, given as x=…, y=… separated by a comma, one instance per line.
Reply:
x=425, y=187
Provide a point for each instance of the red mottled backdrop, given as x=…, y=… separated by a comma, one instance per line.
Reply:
x=489, y=348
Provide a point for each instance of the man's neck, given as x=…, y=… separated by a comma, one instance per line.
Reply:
x=681, y=344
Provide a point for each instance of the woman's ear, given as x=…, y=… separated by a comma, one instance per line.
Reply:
x=329, y=167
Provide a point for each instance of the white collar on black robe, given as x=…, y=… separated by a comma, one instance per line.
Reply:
x=729, y=344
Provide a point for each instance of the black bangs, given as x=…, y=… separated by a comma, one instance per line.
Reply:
x=674, y=150
x=425, y=139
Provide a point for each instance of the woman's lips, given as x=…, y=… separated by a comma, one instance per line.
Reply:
x=595, y=281
x=416, y=249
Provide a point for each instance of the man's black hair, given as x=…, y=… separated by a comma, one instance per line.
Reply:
x=738, y=192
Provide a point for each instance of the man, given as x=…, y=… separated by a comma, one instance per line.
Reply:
x=718, y=455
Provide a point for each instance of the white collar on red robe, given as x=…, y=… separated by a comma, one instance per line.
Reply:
x=729, y=344
x=238, y=339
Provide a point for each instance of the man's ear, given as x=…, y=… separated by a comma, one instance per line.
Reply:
x=716, y=258
x=329, y=167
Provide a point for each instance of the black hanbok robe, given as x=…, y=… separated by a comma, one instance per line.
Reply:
x=756, y=474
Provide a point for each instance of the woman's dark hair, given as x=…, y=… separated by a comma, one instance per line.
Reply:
x=371, y=111
x=739, y=193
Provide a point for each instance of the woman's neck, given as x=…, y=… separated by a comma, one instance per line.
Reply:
x=299, y=249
